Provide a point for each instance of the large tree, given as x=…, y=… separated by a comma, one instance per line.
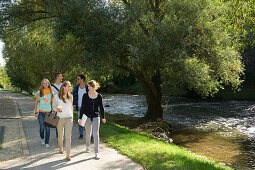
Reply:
x=179, y=42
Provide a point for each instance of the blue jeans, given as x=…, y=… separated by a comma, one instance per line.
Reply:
x=80, y=127
x=41, y=118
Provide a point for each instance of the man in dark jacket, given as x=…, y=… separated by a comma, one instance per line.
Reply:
x=78, y=93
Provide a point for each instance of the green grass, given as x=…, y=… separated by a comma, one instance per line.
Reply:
x=153, y=153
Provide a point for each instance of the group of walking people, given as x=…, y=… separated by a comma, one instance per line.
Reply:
x=58, y=98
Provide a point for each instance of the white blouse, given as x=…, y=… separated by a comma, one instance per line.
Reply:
x=67, y=108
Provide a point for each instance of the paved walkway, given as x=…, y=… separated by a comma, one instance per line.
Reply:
x=21, y=148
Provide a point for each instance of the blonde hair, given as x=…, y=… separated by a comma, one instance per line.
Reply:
x=61, y=92
x=41, y=87
x=94, y=84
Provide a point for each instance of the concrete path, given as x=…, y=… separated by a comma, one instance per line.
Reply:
x=28, y=153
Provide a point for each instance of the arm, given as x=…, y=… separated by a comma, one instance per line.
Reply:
x=52, y=102
x=83, y=105
x=102, y=109
x=55, y=103
x=72, y=101
x=75, y=96
x=82, y=110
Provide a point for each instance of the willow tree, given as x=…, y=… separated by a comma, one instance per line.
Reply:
x=158, y=41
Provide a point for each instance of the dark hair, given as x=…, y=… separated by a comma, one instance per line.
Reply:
x=56, y=75
x=82, y=76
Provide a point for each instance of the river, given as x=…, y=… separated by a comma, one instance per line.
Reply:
x=223, y=131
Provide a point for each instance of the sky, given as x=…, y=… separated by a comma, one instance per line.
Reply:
x=1, y=55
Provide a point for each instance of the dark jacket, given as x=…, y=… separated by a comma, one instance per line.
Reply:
x=89, y=106
x=75, y=95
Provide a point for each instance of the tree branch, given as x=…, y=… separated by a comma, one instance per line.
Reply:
x=157, y=10
x=157, y=4
x=125, y=2
x=41, y=18
x=146, y=32
x=140, y=77
x=152, y=6
x=38, y=12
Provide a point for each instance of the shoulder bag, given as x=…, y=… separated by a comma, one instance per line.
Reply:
x=51, y=120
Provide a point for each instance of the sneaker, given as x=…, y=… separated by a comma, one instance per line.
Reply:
x=87, y=149
x=81, y=137
x=42, y=141
x=47, y=145
x=97, y=156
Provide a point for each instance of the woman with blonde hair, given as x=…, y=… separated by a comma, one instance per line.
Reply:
x=44, y=97
x=91, y=101
x=63, y=103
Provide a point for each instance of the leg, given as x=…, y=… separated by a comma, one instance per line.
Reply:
x=57, y=133
x=91, y=137
x=95, y=127
x=41, y=121
x=60, y=128
x=88, y=131
x=80, y=127
x=47, y=135
x=68, y=134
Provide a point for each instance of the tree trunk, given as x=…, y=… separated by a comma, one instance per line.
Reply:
x=155, y=110
x=152, y=90
x=153, y=97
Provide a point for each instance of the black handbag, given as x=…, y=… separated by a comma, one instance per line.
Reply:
x=51, y=120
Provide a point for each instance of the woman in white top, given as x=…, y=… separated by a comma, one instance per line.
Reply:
x=64, y=106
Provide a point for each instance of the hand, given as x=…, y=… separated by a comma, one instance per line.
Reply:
x=36, y=114
x=104, y=121
x=74, y=106
x=79, y=121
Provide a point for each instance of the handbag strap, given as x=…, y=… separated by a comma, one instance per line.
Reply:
x=55, y=87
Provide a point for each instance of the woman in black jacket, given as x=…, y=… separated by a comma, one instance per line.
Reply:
x=91, y=101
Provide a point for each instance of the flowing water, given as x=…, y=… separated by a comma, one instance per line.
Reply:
x=223, y=131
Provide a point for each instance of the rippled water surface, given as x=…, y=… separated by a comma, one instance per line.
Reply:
x=224, y=131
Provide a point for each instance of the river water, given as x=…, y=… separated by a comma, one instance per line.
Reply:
x=223, y=131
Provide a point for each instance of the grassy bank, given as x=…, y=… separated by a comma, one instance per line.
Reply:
x=153, y=153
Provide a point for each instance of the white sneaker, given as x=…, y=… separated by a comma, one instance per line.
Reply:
x=87, y=149
x=97, y=156
x=47, y=145
x=42, y=141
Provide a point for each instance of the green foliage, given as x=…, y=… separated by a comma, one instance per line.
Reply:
x=4, y=79
x=33, y=54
